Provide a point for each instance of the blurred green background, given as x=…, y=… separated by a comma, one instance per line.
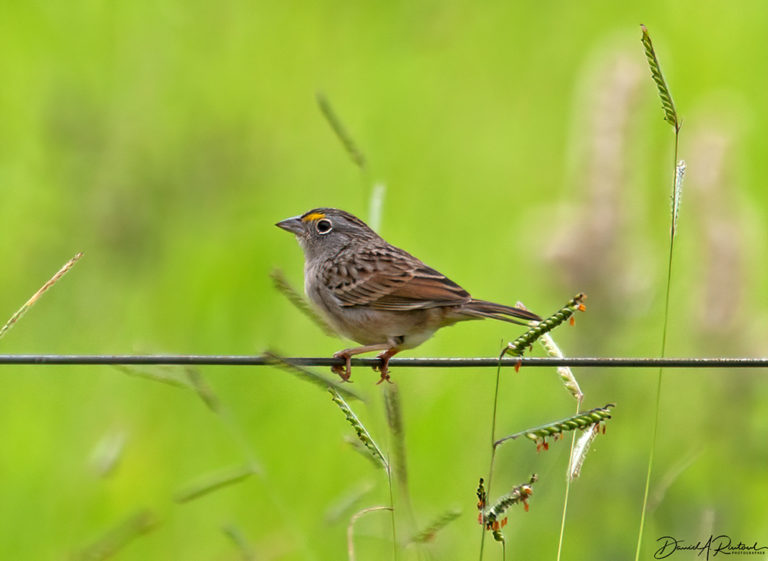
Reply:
x=524, y=154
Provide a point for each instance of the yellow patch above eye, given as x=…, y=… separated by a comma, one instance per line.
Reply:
x=313, y=216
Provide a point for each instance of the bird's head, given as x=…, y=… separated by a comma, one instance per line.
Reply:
x=324, y=231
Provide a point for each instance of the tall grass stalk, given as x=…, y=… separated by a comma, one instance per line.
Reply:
x=671, y=116
x=392, y=407
x=398, y=461
x=375, y=452
x=375, y=205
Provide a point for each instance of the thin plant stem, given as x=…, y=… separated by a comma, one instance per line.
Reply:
x=392, y=511
x=661, y=369
x=493, y=451
x=567, y=490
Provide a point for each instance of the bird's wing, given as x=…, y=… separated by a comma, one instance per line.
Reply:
x=391, y=280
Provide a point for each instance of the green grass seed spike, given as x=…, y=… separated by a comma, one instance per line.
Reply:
x=667, y=105
x=518, y=346
x=362, y=433
x=492, y=517
x=580, y=420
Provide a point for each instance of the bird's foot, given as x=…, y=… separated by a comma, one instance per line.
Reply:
x=344, y=371
x=384, y=376
x=383, y=369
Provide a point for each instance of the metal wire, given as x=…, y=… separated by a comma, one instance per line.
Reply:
x=478, y=362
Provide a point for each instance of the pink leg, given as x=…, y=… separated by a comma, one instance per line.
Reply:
x=346, y=371
x=384, y=368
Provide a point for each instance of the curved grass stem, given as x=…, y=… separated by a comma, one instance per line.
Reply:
x=493, y=447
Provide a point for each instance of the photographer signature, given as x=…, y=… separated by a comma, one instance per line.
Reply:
x=714, y=545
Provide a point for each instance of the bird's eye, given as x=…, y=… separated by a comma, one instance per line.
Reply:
x=323, y=226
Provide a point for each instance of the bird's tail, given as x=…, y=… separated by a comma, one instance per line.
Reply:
x=485, y=309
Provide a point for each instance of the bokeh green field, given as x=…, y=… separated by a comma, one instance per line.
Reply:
x=524, y=155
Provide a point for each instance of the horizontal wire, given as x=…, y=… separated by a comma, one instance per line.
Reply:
x=478, y=362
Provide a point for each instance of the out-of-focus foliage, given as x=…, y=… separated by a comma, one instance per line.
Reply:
x=524, y=155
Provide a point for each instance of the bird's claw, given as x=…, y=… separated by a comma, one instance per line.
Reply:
x=384, y=368
x=344, y=371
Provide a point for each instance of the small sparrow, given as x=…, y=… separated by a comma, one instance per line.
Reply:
x=377, y=294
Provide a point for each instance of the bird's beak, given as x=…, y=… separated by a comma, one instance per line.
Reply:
x=292, y=224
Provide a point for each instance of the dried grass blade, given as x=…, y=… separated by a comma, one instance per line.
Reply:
x=565, y=372
x=36, y=296
x=580, y=451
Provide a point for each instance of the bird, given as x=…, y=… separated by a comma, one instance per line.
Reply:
x=379, y=295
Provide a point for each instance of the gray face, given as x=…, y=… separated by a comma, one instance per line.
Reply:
x=322, y=232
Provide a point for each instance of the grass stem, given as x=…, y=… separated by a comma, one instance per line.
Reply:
x=493, y=448
x=671, y=117
x=567, y=491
